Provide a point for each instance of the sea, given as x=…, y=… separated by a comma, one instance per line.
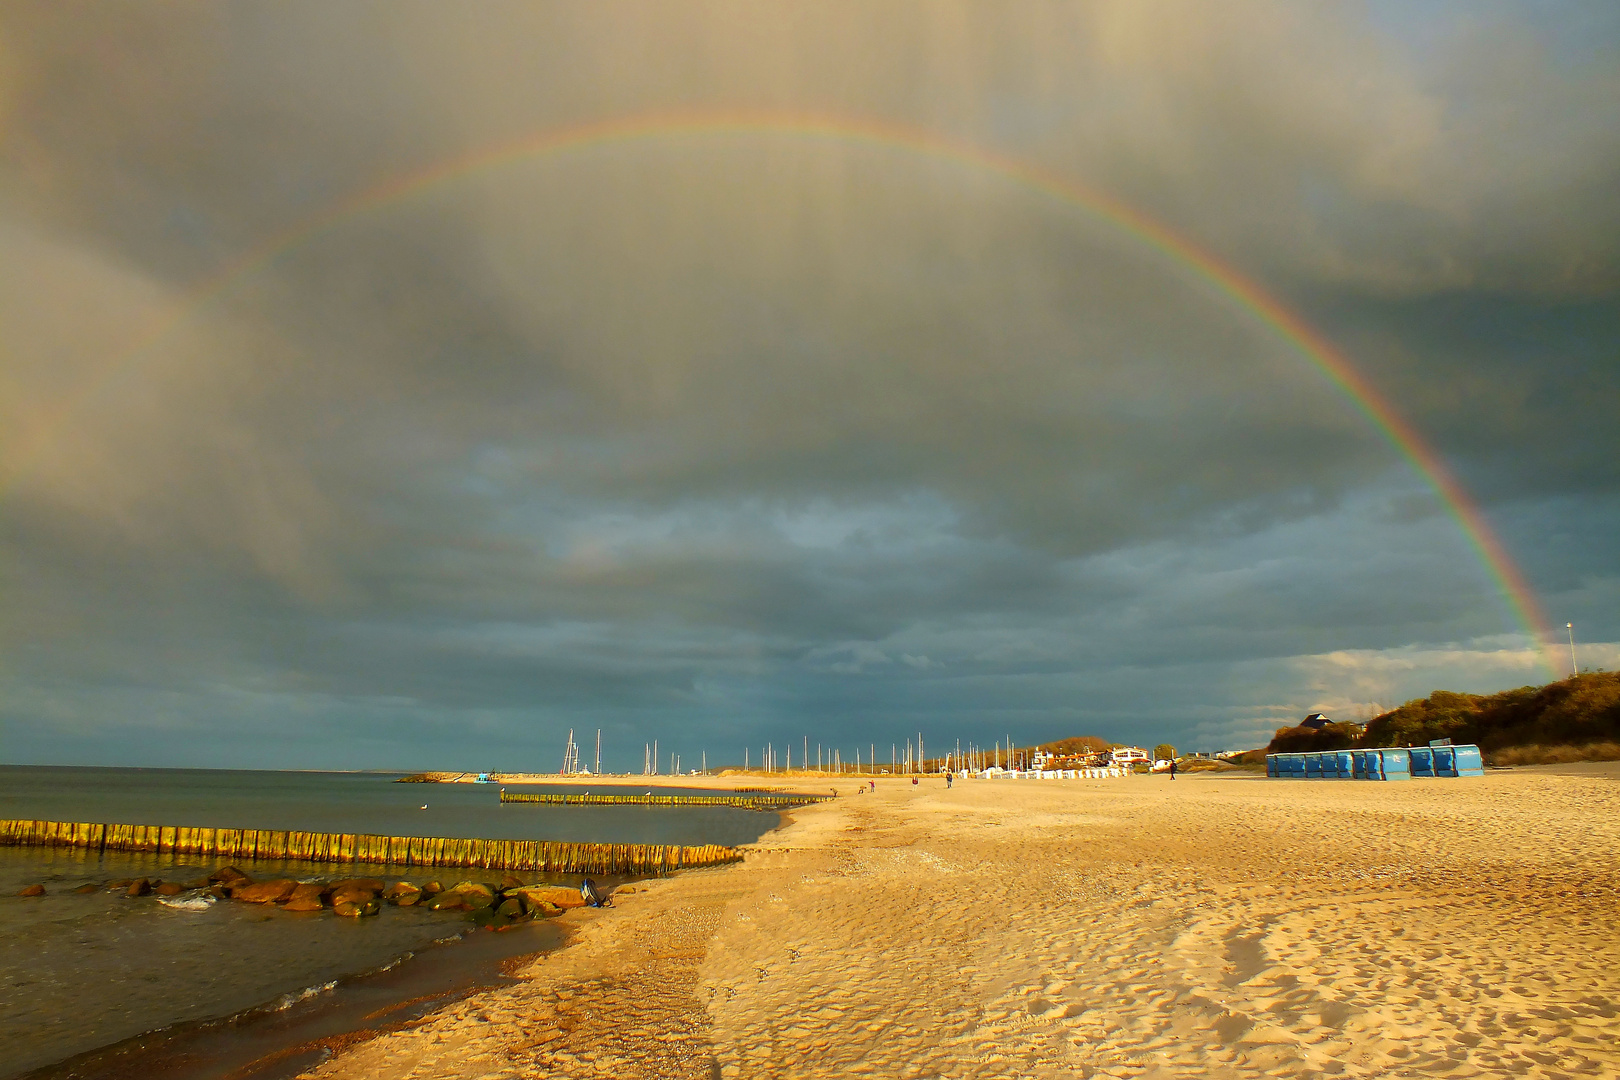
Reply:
x=97, y=984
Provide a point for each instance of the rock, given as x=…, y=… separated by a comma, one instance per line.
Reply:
x=511, y=907
x=446, y=901
x=265, y=892
x=121, y=883
x=557, y=895
x=168, y=888
x=305, y=897
x=432, y=887
x=83, y=889
x=349, y=894
x=509, y=881
x=138, y=887
x=199, y=883
x=402, y=893
x=230, y=877
x=369, y=884
x=353, y=910
x=475, y=894
x=33, y=890
x=544, y=910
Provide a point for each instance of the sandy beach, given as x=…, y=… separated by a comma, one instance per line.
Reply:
x=1207, y=926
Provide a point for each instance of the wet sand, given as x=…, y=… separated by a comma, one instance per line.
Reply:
x=1209, y=927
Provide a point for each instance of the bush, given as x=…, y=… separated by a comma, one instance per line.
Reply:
x=1303, y=740
x=1573, y=712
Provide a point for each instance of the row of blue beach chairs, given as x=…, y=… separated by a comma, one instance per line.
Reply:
x=1386, y=763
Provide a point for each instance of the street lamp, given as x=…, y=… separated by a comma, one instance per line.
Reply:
x=1574, y=670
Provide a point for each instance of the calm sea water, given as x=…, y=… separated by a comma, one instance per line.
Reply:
x=82, y=971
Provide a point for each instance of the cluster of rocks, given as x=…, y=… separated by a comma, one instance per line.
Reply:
x=508, y=901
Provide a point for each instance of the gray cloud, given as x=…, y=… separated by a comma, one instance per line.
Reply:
x=730, y=433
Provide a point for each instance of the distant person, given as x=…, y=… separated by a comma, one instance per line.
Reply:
x=914, y=780
x=947, y=781
x=874, y=786
x=1172, y=769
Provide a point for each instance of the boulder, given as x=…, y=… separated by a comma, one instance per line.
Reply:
x=446, y=901
x=349, y=894
x=121, y=883
x=543, y=910
x=432, y=887
x=199, y=883
x=558, y=895
x=83, y=889
x=33, y=890
x=402, y=893
x=265, y=892
x=509, y=881
x=138, y=887
x=475, y=894
x=348, y=910
x=168, y=888
x=230, y=877
x=305, y=897
x=369, y=884
x=511, y=907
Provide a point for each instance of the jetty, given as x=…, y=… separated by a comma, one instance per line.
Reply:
x=745, y=801
x=543, y=856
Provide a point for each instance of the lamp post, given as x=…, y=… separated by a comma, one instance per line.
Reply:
x=1573, y=669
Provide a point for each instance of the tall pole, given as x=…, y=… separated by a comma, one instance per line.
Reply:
x=1572, y=668
x=599, y=751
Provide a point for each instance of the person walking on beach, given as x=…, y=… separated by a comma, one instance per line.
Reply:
x=1172, y=768
x=947, y=781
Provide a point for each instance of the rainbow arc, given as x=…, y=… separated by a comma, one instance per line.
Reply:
x=1241, y=289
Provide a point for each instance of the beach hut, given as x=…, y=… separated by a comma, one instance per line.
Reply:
x=1423, y=760
x=1394, y=763
x=1463, y=760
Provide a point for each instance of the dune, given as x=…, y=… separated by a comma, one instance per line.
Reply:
x=1207, y=926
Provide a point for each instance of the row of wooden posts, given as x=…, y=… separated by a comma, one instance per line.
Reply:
x=746, y=802
x=532, y=855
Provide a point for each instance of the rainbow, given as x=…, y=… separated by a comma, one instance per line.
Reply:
x=1240, y=288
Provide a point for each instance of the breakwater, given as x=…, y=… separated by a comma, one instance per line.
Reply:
x=533, y=855
x=741, y=800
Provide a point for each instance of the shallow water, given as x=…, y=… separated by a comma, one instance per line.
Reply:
x=78, y=972
x=352, y=802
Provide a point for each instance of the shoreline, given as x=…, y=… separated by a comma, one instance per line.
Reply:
x=1152, y=928
x=281, y=1038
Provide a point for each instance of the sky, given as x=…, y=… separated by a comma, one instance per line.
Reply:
x=404, y=385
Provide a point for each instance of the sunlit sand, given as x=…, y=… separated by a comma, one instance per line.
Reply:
x=1206, y=927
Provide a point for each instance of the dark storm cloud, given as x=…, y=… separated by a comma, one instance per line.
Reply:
x=728, y=433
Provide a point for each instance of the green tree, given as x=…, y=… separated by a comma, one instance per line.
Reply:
x=1164, y=752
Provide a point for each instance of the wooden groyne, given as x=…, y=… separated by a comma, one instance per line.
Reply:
x=533, y=855
x=746, y=802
